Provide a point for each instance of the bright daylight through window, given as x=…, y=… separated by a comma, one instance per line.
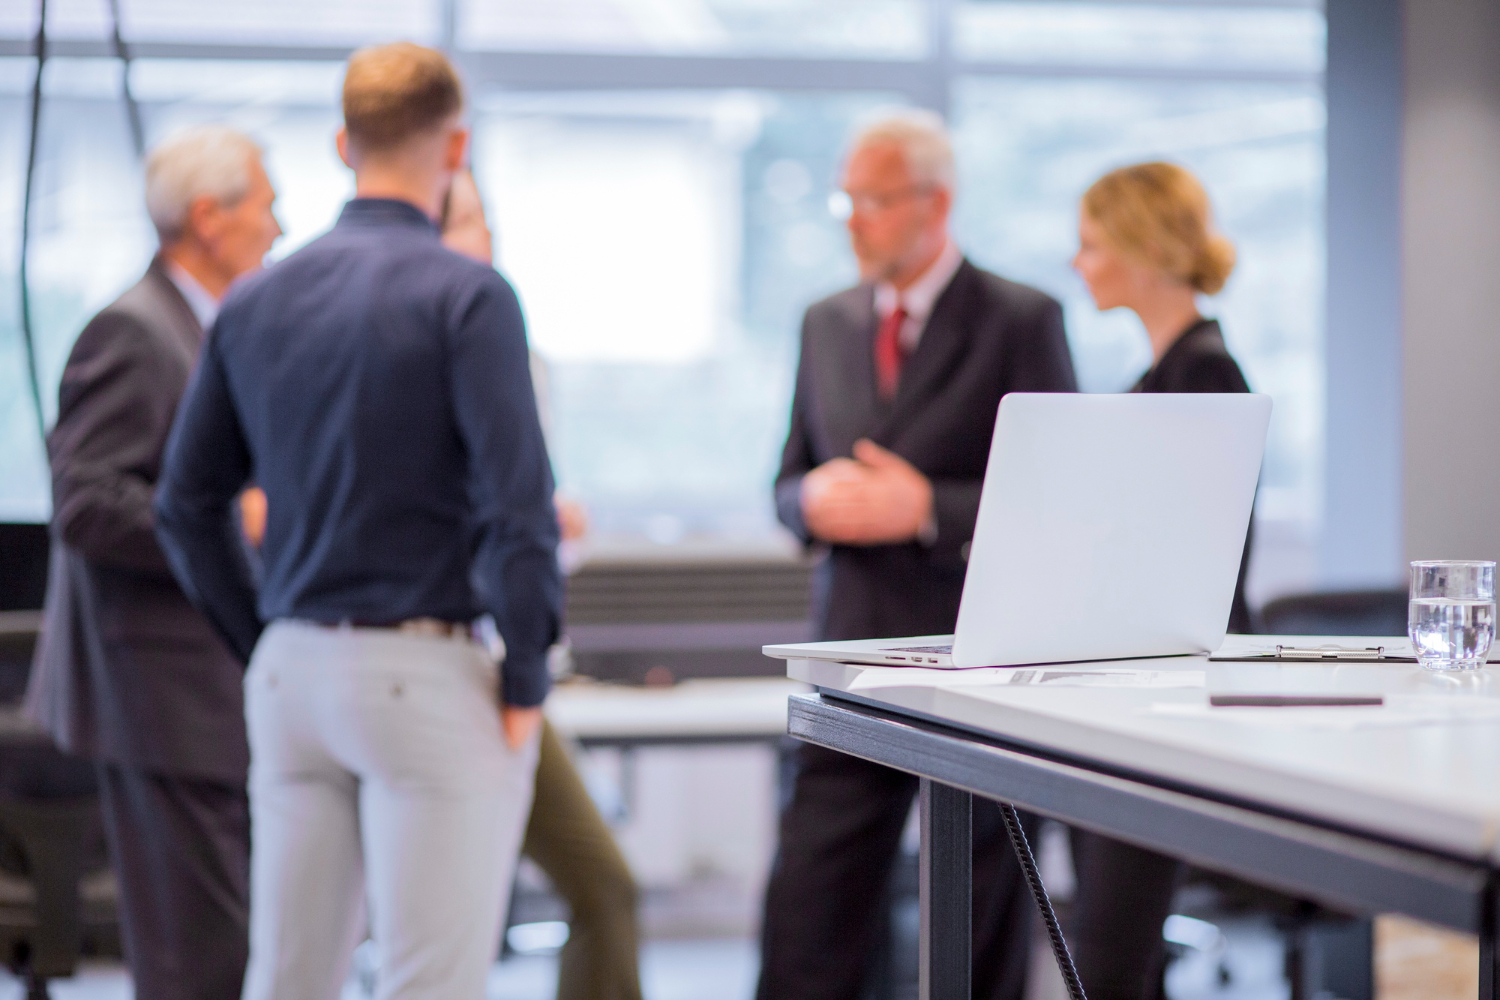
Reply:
x=658, y=174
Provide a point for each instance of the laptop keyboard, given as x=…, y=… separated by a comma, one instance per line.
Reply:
x=917, y=649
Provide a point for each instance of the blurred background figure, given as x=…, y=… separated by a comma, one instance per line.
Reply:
x=565, y=835
x=894, y=407
x=127, y=673
x=467, y=231
x=1146, y=242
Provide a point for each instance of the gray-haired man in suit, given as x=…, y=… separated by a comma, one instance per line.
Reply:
x=897, y=390
x=127, y=673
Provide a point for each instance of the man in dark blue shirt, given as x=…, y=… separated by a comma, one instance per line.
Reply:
x=376, y=386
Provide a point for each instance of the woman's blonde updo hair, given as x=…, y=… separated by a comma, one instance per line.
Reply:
x=1158, y=214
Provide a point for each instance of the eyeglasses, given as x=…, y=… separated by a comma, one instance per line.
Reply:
x=843, y=204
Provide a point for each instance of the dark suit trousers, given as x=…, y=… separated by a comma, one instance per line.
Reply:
x=181, y=851
x=1124, y=895
x=826, y=901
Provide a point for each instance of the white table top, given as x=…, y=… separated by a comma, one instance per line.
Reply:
x=707, y=708
x=1423, y=769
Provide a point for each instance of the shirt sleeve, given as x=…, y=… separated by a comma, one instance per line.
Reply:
x=207, y=464
x=510, y=486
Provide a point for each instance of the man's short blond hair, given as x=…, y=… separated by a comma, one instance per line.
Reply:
x=923, y=140
x=394, y=93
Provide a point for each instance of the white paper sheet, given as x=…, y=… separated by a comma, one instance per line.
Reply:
x=874, y=678
x=1063, y=677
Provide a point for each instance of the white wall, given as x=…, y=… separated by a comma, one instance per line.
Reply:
x=1451, y=279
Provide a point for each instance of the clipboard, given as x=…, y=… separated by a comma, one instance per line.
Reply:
x=1324, y=653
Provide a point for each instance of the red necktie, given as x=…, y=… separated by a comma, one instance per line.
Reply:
x=888, y=353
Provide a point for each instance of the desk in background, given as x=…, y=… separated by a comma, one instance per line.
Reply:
x=641, y=735
x=708, y=710
x=700, y=712
x=639, y=612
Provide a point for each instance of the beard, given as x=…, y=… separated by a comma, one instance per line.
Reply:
x=877, y=268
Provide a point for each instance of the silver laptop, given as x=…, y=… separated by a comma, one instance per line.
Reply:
x=1110, y=526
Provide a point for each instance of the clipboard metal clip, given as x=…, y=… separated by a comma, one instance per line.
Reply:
x=1330, y=652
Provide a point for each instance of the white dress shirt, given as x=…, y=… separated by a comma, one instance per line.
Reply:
x=919, y=297
x=204, y=306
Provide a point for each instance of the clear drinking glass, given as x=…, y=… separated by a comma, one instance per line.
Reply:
x=1451, y=619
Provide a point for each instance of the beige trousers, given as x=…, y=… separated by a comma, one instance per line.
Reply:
x=379, y=778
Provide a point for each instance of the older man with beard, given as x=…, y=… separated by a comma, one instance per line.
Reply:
x=895, y=402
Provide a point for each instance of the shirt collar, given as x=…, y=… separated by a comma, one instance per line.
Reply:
x=385, y=211
x=921, y=295
x=204, y=306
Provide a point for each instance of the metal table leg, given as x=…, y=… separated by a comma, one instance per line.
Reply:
x=1489, y=953
x=946, y=887
x=1340, y=869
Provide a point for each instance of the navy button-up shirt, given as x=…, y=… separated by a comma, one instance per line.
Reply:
x=376, y=386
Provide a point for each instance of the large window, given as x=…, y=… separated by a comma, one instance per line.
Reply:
x=658, y=172
x=664, y=248
x=1030, y=147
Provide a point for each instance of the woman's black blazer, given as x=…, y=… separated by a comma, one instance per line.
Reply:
x=1198, y=361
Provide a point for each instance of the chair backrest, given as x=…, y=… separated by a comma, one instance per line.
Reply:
x=23, y=586
x=1349, y=612
x=23, y=566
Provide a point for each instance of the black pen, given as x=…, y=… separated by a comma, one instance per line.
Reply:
x=1291, y=700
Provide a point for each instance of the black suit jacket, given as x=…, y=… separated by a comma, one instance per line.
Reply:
x=1198, y=361
x=986, y=336
x=126, y=671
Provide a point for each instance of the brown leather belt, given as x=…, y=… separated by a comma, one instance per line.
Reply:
x=435, y=627
x=480, y=632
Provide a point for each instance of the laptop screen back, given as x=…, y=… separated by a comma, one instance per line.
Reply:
x=1110, y=526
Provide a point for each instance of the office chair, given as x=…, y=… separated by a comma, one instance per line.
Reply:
x=1349, y=612
x=57, y=894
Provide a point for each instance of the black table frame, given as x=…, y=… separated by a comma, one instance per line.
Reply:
x=1346, y=869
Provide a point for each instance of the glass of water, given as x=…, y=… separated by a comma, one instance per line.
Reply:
x=1451, y=619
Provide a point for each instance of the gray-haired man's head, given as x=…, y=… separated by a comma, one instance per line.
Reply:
x=899, y=179
x=210, y=200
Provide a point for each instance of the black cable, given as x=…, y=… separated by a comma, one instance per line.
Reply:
x=1039, y=893
x=40, y=51
x=132, y=109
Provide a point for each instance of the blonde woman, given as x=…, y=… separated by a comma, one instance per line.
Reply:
x=1146, y=242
